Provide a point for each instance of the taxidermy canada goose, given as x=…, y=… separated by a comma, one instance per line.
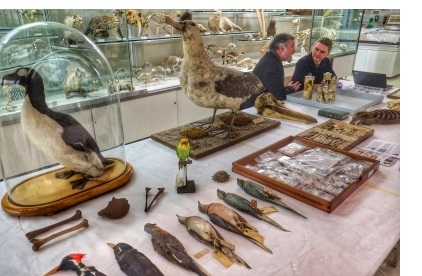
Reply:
x=57, y=134
x=208, y=84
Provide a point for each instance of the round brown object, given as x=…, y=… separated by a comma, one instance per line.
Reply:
x=221, y=176
x=116, y=208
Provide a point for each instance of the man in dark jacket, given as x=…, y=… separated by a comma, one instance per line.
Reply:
x=316, y=62
x=270, y=70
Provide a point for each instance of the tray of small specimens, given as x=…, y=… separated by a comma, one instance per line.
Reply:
x=316, y=174
x=337, y=134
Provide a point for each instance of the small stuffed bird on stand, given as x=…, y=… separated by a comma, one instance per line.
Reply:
x=182, y=183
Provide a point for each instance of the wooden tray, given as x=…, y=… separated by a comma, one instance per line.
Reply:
x=204, y=146
x=337, y=134
x=346, y=100
x=240, y=167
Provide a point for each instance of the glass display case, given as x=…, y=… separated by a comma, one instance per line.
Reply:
x=61, y=125
x=145, y=54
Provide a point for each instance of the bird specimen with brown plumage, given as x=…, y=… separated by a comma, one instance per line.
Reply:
x=57, y=134
x=208, y=84
x=172, y=249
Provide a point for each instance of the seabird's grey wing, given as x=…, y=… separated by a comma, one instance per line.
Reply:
x=241, y=85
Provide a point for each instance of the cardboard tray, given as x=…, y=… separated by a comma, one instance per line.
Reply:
x=239, y=166
x=346, y=100
x=337, y=134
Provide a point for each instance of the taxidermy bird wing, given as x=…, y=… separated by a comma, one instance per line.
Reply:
x=172, y=249
x=238, y=84
x=258, y=191
x=133, y=262
x=244, y=205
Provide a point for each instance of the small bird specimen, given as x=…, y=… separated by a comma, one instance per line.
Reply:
x=182, y=151
x=204, y=232
x=230, y=220
x=242, y=204
x=263, y=193
x=73, y=262
x=57, y=134
x=208, y=84
x=172, y=249
x=132, y=262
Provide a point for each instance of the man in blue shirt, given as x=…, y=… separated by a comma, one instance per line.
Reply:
x=316, y=62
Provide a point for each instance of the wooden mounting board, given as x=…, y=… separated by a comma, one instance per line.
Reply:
x=204, y=146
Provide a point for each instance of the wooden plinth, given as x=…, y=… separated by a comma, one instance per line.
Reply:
x=68, y=198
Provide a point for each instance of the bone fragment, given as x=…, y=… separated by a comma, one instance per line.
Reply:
x=37, y=243
x=32, y=234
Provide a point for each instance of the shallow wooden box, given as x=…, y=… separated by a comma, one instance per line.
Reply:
x=337, y=134
x=239, y=166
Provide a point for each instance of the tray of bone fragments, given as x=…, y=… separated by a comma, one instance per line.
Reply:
x=337, y=134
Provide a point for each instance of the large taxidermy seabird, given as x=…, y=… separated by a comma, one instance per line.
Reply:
x=208, y=84
x=57, y=134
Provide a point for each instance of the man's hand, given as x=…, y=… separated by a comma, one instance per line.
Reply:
x=295, y=85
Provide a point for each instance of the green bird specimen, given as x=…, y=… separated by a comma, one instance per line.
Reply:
x=256, y=190
x=183, y=149
x=244, y=205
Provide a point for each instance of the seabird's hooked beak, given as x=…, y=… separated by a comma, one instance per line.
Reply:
x=173, y=23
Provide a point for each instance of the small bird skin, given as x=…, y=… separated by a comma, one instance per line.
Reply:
x=183, y=149
x=242, y=204
x=73, y=262
x=230, y=220
x=132, y=262
x=258, y=191
x=204, y=232
x=206, y=83
x=172, y=249
x=57, y=134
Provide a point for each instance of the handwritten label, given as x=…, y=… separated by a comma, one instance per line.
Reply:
x=202, y=253
x=222, y=258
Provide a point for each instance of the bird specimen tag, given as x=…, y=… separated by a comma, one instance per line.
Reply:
x=268, y=209
x=254, y=203
x=258, y=120
x=254, y=235
x=222, y=258
x=202, y=253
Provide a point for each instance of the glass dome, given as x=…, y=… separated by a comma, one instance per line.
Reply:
x=59, y=113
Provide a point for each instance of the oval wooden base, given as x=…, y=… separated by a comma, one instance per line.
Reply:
x=50, y=208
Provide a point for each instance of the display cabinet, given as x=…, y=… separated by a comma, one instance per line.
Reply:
x=145, y=54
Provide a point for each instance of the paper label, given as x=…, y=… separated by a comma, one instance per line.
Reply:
x=201, y=253
x=222, y=258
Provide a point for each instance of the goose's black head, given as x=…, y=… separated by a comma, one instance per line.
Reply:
x=17, y=77
x=32, y=81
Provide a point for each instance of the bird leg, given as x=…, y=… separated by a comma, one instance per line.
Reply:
x=147, y=189
x=37, y=243
x=32, y=234
x=65, y=175
x=160, y=192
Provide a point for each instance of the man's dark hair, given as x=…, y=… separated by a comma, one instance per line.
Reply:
x=325, y=41
x=280, y=39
